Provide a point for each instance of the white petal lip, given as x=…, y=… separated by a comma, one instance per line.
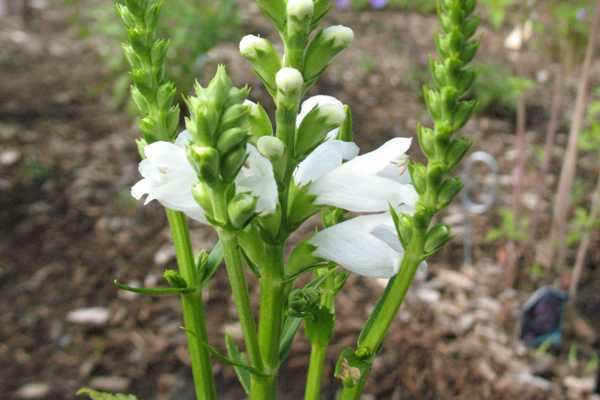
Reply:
x=325, y=158
x=257, y=177
x=368, y=183
x=355, y=245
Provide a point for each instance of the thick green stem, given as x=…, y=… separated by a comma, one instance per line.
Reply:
x=239, y=288
x=270, y=323
x=193, y=309
x=316, y=366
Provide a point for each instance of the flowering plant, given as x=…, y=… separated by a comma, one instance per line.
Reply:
x=256, y=182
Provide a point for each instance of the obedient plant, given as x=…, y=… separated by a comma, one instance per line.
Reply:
x=255, y=181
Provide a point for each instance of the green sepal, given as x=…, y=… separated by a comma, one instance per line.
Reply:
x=205, y=161
x=418, y=174
x=258, y=122
x=312, y=131
x=463, y=112
x=350, y=368
x=169, y=291
x=332, y=216
x=436, y=172
x=95, y=395
x=141, y=147
x=202, y=194
x=266, y=62
x=448, y=192
x=300, y=207
x=208, y=264
x=234, y=116
x=301, y=258
x=436, y=238
x=319, y=54
x=322, y=7
x=404, y=227
x=346, y=133
x=432, y=102
x=234, y=353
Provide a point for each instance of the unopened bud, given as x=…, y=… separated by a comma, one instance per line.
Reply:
x=340, y=36
x=175, y=279
x=300, y=9
x=271, y=147
x=234, y=116
x=289, y=80
x=230, y=139
x=241, y=209
x=201, y=194
x=206, y=162
x=233, y=162
x=436, y=238
x=448, y=192
x=251, y=45
x=303, y=301
x=258, y=122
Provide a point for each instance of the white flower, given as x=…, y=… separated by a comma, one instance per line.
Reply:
x=367, y=245
x=289, y=79
x=257, y=178
x=168, y=177
x=368, y=183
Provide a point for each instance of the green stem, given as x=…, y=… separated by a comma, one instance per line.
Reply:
x=380, y=321
x=316, y=366
x=193, y=309
x=270, y=323
x=239, y=288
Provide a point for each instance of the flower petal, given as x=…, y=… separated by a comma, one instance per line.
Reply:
x=351, y=245
x=184, y=138
x=384, y=161
x=257, y=177
x=325, y=158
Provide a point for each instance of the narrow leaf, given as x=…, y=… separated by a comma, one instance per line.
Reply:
x=215, y=259
x=170, y=291
x=235, y=354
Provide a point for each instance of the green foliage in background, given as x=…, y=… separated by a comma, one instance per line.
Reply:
x=498, y=89
x=94, y=395
x=193, y=27
x=510, y=228
x=497, y=11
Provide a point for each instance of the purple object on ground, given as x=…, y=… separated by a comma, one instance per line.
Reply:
x=378, y=3
x=343, y=4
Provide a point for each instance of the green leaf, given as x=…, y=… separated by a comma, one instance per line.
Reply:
x=235, y=354
x=94, y=395
x=170, y=291
x=290, y=328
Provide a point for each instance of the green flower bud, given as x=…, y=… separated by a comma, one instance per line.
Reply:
x=426, y=140
x=317, y=123
x=140, y=100
x=175, y=279
x=448, y=192
x=219, y=87
x=241, y=209
x=258, y=121
x=234, y=116
x=264, y=58
x=418, y=174
x=323, y=48
x=271, y=147
x=165, y=95
x=437, y=237
x=206, y=162
x=456, y=151
x=303, y=301
x=230, y=139
x=233, y=162
x=289, y=81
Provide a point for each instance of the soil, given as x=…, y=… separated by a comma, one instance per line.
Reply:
x=68, y=228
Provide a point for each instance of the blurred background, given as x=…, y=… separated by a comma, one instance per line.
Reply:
x=514, y=314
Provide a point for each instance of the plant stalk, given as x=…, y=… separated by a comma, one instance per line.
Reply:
x=318, y=354
x=241, y=297
x=270, y=323
x=193, y=310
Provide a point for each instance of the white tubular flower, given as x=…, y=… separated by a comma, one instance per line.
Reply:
x=368, y=183
x=168, y=177
x=340, y=35
x=256, y=177
x=289, y=80
x=300, y=9
x=251, y=44
x=367, y=245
